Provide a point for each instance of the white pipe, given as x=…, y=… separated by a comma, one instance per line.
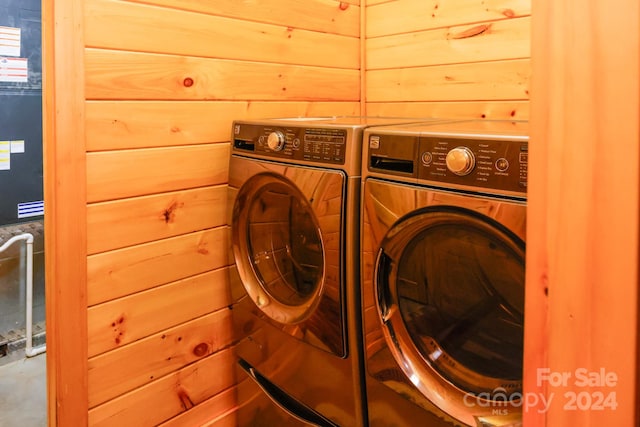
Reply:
x=28, y=238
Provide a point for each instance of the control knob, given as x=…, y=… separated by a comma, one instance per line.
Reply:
x=276, y=140
x=460, y=161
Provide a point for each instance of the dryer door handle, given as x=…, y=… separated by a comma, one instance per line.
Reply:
x=381, y=275
x=292, y=406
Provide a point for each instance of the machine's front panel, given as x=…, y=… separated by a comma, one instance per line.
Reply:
x=443, y=290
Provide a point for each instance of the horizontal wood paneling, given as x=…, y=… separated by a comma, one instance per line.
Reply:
x=162, y=81
x=138, y=124
x=212, y=36
x=132, y=75
x=496, y=110
x=502, y=80
x=457, y=59
x=124, y=369
x=406, y=16
x=219, y=411
x=128, y=173
x=170, y=395
x=487, y=41
x=116, y=224
x=330, y=16
x=119, y=322
x=122, y=272
x=165, y=78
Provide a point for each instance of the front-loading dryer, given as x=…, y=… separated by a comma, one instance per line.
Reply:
x=295, y=196
x=443, y=273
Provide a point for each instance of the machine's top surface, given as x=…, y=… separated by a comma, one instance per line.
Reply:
x=338, y=121
x=516, y=129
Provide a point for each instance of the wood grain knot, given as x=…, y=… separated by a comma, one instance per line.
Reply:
x=344, y=5
x=118, y=330
x=169, y=213
x=201, y=349
x=471, y=32
x=188, y=82
x=186, y=401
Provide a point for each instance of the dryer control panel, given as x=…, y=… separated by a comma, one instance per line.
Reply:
x=312, y=144
x=496, y=164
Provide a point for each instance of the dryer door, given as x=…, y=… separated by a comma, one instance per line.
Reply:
x=449, y=286
x=285, y=233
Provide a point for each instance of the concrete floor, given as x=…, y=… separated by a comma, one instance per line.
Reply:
x=13, y=283
x=23, y=393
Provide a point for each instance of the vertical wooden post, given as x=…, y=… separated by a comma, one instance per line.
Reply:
x=582, y=246
x=65, y=212
x=363, y=58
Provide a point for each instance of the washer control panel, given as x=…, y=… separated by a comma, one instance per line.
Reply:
x=497, y=164
x=312, y=144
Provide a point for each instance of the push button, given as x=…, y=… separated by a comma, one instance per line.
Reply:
x=502, y=164
x=427, y=158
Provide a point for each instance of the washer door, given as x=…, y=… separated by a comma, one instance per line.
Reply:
x=286, y=241
x=449, y=286
x=279, y=247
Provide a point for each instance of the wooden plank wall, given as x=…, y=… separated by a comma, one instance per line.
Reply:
x=163, y=79
x=582, y=259
x=144, y=155
x=463, y=58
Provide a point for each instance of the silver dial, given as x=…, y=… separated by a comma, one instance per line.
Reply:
x=276, y=140
x=460, y=161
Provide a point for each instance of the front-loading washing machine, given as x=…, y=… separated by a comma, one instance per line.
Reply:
x=443, y=273
x=295, y=196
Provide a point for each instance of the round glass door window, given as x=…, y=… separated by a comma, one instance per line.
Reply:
x=278, y=248
x=450, y=290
